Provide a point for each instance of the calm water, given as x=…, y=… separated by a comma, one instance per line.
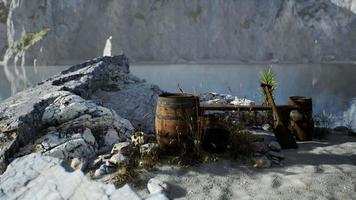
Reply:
x=332, y=86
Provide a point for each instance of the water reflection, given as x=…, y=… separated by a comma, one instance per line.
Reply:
x=12, y=82
x=331, y=86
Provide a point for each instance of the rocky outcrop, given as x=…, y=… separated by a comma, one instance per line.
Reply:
x=65, y=118
x=40, y=177
x=179, y=31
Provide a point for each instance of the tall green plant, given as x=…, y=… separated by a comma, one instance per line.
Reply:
x=268, y=78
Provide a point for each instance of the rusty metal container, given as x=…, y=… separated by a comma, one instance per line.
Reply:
x=215, y=136
x=176, y=122
x=304, y=104
x=302, y=123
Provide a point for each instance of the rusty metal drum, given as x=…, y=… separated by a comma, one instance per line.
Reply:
x=215, y=136
x=302, y=123
x=176, y=122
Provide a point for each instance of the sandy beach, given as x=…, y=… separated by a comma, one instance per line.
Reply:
x=323, y=169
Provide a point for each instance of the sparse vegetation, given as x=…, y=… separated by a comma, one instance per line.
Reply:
x=241, y=143
x=324, y=120
x=268, y=78
x=29, y=39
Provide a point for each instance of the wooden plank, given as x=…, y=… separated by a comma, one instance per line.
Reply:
x=223, y=107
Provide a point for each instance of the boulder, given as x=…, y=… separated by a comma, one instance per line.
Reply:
x=69, y=105
x=42, y=177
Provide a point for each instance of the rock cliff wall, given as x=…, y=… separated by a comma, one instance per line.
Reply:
x=189, y=30
x=3, y=32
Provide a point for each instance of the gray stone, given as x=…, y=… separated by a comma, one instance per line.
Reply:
x=276, y=161
x=111, y=137
x=266, y=127
x=119, y=159
x=88, y=137
x=104, y=169
x=149, y=149
x=65, y=147
x=275, y=146
x=157, y=196
x=65, y=105
x=42, y=177
x=122, y=147
x=155, y=185
x=274, y=154
x=261, y=162
x=259, y=147
x=99, y=173
x=215, y=98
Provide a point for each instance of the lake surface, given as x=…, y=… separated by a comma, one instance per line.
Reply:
x=332, y=86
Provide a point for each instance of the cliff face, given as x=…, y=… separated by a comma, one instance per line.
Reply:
x=189, y=30
x=3, y=18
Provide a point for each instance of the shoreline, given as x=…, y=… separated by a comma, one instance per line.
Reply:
x=208, y=62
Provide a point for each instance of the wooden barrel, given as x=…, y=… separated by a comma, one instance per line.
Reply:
x=302, y=123
x=176, y=122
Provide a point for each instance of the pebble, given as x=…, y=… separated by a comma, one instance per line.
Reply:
x=104, y=169
x=275, y=146
x=261, y=162
x=266, y=127
x=76, y=163
x=157, y=186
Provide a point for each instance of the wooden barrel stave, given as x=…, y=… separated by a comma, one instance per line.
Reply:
x=176, y=121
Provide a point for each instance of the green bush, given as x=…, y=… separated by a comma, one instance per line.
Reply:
x=29, y=39
x=268, y=78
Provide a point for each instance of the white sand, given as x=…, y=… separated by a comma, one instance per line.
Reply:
x=317, y=170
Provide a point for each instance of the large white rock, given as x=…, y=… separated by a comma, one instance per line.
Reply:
x=42, y=177
x=155, y=186
x=65, y=147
